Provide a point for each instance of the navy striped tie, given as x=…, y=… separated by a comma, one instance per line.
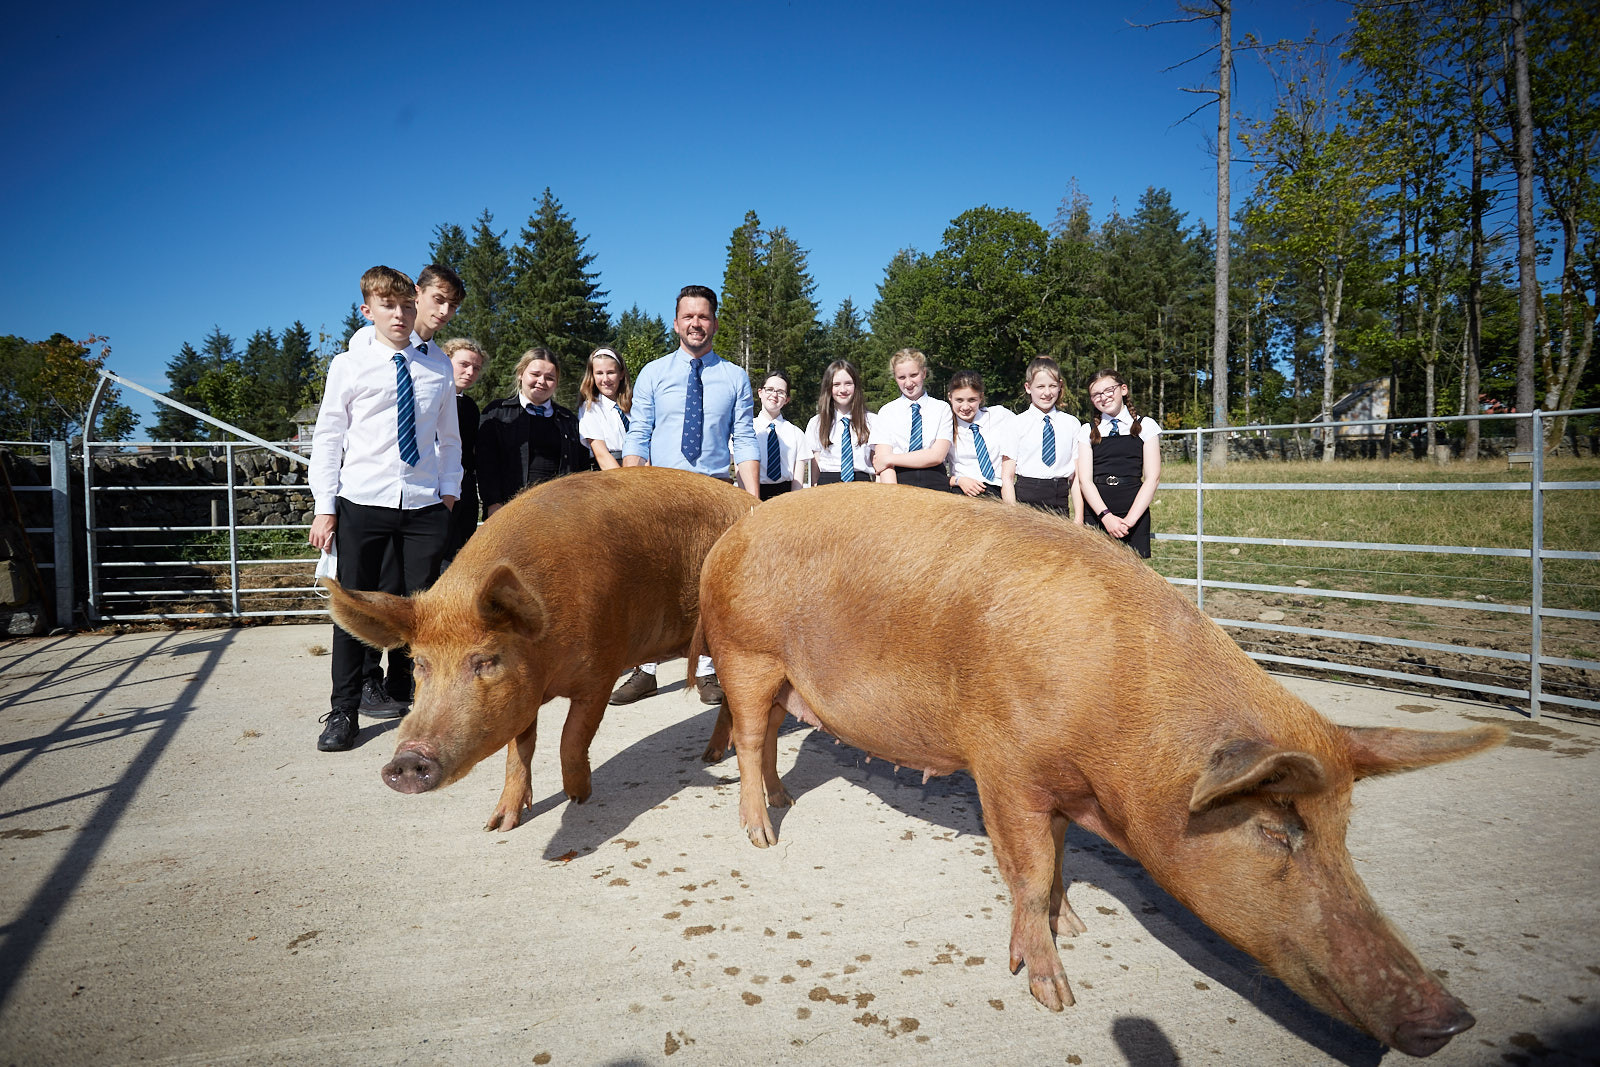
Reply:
x=624, y=416
x=985, y=464
x=916, y=426
x=774, y=457
x=1049, y=443
x=847, y=453
x=405, y=412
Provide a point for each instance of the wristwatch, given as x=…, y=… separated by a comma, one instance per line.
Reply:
x=1103, y=513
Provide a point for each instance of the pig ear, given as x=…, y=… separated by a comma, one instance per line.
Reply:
x=1251, y=766
x=506, y=604
x=379, y=619
x=1387, y=750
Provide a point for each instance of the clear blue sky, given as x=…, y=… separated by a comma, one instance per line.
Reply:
x=181, y=165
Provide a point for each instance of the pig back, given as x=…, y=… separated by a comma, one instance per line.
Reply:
x=931, y=629
x=615, y=556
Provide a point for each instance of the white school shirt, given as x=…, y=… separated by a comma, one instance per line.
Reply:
x=1029, y=428
x=368, y=335
x=355, y=449
x=793, y=451
x=893, y=426
x=828, y=458
x=601, y=420
x=1148, y=430
x=999, y=440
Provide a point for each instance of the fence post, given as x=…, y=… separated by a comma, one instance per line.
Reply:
x=1536, y=571
x=61, y=530
x=233, y=534
x=1200, y=518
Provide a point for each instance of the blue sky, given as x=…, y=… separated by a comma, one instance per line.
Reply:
x=183, y=165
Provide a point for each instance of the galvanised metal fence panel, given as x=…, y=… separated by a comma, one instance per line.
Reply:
x=1536, y=611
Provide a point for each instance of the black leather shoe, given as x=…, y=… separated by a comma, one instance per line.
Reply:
x=340, y=732
x=710, y=689
x=639, y=685
x=376, y=703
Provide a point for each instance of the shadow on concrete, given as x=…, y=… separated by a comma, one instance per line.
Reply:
x=156, y=725
x=632, y=782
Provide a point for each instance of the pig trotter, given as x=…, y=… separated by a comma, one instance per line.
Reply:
x=721, y=737
x=507, y=816
x=411, y=772
x=1063, y=920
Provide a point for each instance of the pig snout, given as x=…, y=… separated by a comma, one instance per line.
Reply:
x=1424, y=1037
x=412, y=771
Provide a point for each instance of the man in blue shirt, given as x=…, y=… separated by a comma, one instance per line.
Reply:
x=694, y=411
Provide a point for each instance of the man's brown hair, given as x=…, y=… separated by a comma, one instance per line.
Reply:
x=445, y=278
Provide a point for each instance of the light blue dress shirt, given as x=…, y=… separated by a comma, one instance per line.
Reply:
x=660, y=394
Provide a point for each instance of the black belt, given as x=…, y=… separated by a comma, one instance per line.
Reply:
x=1059, y=482
x=1111, y=479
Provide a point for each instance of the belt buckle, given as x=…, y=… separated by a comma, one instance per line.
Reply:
x=1112, y=479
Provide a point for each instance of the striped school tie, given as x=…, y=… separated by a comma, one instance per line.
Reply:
x=405, y=412
x=916, y=427
x=985, y=464
x=624, y=416
x=774, y=457
x=847, y=454
x=1049, y=443
x=694, y=412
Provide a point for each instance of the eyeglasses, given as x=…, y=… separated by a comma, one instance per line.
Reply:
x=1104, y=394
x=776, y=392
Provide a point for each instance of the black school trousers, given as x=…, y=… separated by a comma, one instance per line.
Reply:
x=416, y=537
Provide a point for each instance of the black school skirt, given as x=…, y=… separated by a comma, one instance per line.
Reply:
x=1046, y=494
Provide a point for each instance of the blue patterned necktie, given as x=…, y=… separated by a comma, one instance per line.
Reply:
x=847, y=453
x=774, y=456
x=916, y=426
x=985, y=464
x=1049, y=443
x=694, y=412
x=405, y=412
x=1114, y=431
x=623, y=415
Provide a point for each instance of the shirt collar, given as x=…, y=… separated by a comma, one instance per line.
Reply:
x=706, y=360
x=547, y=408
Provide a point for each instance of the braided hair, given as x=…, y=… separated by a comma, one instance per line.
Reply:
x=1127, y=402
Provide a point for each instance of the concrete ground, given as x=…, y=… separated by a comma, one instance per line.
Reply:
x=187, y=880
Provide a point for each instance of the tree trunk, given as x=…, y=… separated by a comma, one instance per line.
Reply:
x=1470, y=405
x=1528, y=287
x=1219, y=339
x=1330, y=316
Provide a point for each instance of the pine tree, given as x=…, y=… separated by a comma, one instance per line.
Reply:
x=556, y=299
x=352, y=323
x=448, y=248
x=639, y=338
x=183, y=373
x=740, y=322
x=790, y=311
x=298, y=369
x=485, y=314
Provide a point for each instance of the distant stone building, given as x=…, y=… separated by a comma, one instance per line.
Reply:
x=1368, y=400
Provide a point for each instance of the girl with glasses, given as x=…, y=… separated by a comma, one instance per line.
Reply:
x=1119, y=463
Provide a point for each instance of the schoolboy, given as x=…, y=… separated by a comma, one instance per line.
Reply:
x=466, y=358
x=385, y=470
x=440, y=292
x=917, y=428
x=781, y=443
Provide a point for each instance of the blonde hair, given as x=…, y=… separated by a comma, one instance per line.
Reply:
x=528, y=357
x=591, y=392
x=386, y=281
x=1050, y=366
x=463, y=344
x=908, y=355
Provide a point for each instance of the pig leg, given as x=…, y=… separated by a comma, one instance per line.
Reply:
x=721, y=736
x=1061, y=913
x=583, y=719
x=751, y=684
x=1024, y=844
x=517, y=796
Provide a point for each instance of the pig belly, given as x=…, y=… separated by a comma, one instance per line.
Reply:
x=878, y=732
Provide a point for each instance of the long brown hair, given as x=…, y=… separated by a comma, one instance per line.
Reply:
x=825, y=406
x=1127, y=402
x=963, y=379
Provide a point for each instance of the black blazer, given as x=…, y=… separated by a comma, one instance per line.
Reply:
x=503, y=448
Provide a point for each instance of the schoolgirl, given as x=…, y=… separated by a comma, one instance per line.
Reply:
x=607, y=398
x=839, y=434
x=983, y=455
x=1119, y=463
x=912, y=436
x=781, y=443
x=527, y=438
x=1047, y=446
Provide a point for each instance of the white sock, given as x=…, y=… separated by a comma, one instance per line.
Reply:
x=648, y=668
x=705, y=667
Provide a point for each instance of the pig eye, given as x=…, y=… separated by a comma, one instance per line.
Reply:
x=484, y=665
x=1287, y=836
x=421, y=665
